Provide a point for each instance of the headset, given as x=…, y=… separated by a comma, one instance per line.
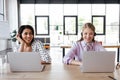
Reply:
x=94, y=34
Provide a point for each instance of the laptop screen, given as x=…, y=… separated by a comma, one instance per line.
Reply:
x=98, y=61
x=25, y=61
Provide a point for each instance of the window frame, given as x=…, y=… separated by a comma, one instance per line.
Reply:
x=103, y=26
x=36, y=25
x=76, y=25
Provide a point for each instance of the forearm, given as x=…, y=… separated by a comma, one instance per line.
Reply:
x=21, y=48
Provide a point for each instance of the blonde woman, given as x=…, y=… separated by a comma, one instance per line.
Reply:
x=86, y=43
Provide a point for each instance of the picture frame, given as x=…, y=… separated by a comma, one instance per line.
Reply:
x=70, y=25
x=42, y=25
x=99, y=22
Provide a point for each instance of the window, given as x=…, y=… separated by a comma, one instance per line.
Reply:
x=27, y=14
x=70, y=25
x=99, y=23
x=98, y=9
x=42, y=25
x=107, y=15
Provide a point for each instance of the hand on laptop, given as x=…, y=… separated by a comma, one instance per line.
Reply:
x=118, y=66
x=44, y=62
x=76, y=62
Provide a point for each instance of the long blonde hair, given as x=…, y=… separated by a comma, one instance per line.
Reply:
x=87, y=25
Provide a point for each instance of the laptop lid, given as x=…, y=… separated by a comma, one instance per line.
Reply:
x=98, y=61
x=25, y=61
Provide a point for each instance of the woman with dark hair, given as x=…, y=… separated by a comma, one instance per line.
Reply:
x=25, y=37
x=86, y=43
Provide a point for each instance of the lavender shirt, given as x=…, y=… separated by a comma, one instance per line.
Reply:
x=77, y=51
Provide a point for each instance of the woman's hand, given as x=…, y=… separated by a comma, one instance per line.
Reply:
x=44, y=62
x=74, y=62
x=19, y=39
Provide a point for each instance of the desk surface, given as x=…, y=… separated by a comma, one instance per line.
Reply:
x=60, y=71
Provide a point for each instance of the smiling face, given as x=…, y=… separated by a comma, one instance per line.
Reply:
x=88, y=35
x=27, y=36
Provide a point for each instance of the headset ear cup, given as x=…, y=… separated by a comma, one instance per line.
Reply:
x=95, y=34
x=81, y=34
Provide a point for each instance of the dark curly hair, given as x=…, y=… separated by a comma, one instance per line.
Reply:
x=22, y=27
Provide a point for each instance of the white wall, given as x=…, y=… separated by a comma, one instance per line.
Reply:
x=12, y=14
x=3, y=44
x=12, y=18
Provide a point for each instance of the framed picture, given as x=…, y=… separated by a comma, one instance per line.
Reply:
x=70, y=25
x=99, y=23
x=42, y=25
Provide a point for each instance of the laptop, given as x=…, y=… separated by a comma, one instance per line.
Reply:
x=98, y=61
x=25, y=61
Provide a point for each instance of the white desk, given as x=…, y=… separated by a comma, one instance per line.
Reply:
x=59, y=72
